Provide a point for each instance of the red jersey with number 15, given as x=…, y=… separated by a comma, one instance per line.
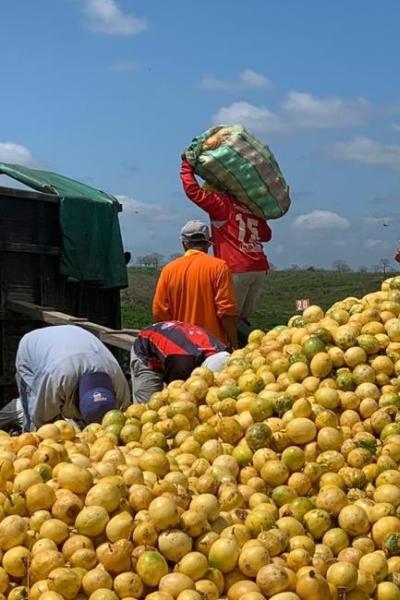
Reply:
x=237, y=233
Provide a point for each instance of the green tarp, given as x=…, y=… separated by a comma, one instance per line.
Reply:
x=91, y=237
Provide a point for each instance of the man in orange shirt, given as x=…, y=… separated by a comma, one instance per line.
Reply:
x=197, y=288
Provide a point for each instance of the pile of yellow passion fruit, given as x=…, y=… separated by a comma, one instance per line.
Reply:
x=277, y=478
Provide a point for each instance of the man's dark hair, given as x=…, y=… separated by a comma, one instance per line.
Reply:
x=196, y=245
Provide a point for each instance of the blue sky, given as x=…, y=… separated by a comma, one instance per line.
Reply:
x=111, y=91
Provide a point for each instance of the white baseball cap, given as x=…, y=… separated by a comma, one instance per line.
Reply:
x=195, y=231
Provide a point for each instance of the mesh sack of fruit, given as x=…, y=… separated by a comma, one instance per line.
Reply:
x=233, y=160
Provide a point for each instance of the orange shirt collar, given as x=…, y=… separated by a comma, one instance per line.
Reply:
x=192, y=251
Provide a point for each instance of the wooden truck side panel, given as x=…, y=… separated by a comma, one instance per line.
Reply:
x=30, y=243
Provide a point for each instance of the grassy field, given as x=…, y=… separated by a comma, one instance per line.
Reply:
x=277, y=304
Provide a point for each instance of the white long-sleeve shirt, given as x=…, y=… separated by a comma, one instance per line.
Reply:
x=50, y=362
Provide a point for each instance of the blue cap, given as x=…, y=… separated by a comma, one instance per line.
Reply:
x=96, y=396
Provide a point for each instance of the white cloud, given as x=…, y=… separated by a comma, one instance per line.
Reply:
x=305, y=110
x=247, y=79
x=367, y=151
x=123, y=66
x=298, y=110
x=105, y=16
x=14, y=153
x=253, y=79
x=256, y=118
x=154, y=212
x=320, y=220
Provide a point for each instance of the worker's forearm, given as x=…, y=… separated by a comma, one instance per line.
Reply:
x=229, y=325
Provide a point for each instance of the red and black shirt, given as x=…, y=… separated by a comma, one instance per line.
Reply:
x=175, y=348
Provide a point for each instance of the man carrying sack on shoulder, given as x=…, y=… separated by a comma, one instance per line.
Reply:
x=238, y=236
